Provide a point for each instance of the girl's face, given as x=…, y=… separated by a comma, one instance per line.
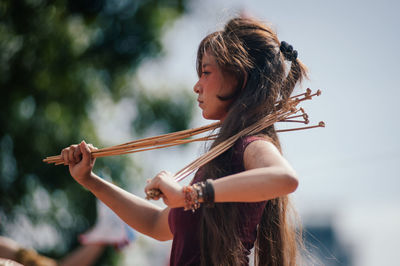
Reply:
x=212, y=83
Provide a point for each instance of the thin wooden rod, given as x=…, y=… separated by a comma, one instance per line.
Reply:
x=285, y=113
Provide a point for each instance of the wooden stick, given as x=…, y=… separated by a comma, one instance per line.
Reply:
x=285, y=113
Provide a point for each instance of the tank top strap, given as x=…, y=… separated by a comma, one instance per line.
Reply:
x=241, y=146
x=246, y=140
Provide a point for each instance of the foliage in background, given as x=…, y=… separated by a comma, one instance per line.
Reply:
x=55, y=57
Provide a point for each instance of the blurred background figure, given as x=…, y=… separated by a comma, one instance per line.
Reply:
x=109, y=230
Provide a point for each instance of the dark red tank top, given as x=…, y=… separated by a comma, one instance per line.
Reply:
x=185, y=225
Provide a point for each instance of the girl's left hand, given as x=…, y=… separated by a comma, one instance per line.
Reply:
x=171, y=191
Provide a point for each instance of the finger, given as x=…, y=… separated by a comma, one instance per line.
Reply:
x=77, y=154
x=64, y=155
x=152, y=187
x=148, y=187
x=165, y=174
x=71, y=151
x=91, y=147
x=86, y=155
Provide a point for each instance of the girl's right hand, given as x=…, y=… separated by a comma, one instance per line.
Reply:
x=79, y=159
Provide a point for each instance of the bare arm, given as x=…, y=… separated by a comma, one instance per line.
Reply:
x=140, y=214
x=268, y=175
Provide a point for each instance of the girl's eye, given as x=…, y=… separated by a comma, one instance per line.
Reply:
x=205, y=73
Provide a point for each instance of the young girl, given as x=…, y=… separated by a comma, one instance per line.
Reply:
x=239, y=200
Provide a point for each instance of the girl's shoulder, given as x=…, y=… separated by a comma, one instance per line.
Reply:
x=244, y=141
x=241, y=145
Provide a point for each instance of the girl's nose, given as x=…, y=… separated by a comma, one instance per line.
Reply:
x=196, y=87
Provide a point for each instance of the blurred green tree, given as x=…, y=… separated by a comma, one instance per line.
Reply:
x=55, y=56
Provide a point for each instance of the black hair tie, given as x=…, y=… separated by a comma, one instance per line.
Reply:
x=287, y=51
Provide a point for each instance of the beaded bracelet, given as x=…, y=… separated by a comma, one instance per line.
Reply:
x=201, y=191
x=191, y=198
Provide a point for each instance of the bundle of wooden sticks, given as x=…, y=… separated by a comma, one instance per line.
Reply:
x=288, y=112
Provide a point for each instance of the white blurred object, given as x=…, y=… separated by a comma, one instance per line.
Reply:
x=108, y=230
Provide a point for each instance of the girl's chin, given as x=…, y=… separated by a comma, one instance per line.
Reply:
x=205, y=116
x=210, y=117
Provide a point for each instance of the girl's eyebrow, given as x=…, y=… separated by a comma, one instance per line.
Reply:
x=205, y=65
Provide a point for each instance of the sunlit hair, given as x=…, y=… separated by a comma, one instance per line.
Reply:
x=248, y=50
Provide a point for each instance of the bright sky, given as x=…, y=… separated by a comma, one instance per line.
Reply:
x=348, y=171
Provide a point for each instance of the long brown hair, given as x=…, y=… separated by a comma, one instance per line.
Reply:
x=250, y=51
